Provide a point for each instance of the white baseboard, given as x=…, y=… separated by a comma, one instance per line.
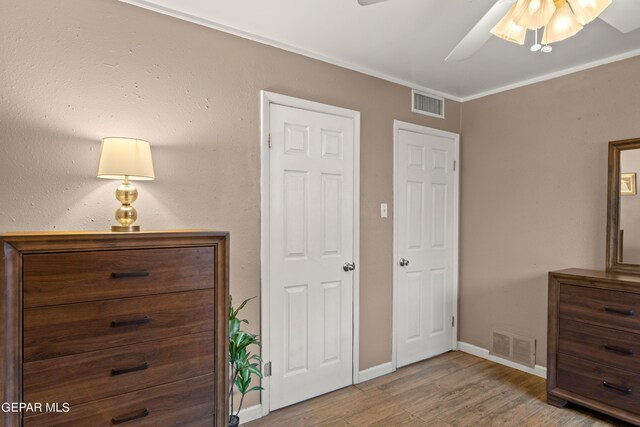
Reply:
x=249, y=414
x=375, y=372
x=538, y=370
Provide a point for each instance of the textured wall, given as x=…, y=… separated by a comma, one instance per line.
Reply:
x=533, y=159
x=75, y=71
x=534, y=189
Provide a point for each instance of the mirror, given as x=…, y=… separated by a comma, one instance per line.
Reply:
x=623, y=210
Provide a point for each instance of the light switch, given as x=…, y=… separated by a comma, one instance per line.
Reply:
x=384, y=213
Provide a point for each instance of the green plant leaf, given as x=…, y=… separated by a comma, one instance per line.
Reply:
x=242, y=305
x=243, y=363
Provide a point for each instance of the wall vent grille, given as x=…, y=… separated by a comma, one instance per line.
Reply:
x=513, y=347
x=428, y=104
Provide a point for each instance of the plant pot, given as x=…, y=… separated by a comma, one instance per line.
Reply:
x=234, y=421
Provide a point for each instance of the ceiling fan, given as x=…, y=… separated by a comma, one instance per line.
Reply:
x=624, y=15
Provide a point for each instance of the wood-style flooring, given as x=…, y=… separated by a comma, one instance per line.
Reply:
x=455, y=389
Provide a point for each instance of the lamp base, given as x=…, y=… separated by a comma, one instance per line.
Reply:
x=125, y=229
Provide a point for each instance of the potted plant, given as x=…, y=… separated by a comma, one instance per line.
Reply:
x=242, y=364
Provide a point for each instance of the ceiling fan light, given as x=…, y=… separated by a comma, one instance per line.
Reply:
x=508, y=30
x=563, y=24
x=588, y=10
x=587, y=3
x=533, y=14
x=534, y=6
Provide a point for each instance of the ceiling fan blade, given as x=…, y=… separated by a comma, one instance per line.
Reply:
x=479, y=34
x=623, y=15
x=368, y=2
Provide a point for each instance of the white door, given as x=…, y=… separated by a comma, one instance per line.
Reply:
x=426, y=242
x=311, y=239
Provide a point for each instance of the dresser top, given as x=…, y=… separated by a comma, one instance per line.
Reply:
x=598, y=275
x=107, y=233
x=87, y=240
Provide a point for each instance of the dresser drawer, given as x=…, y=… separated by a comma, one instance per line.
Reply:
x=612, y=386
x=600, y=306
x=607, y=346
x=76, y=328
x=177, y=404
x=59, y=278
x=96, y=375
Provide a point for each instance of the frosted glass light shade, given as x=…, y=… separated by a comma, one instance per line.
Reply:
x=588, y=10
x=507, y=28
x=120, y=157
x=533, y=14
x=563, y=24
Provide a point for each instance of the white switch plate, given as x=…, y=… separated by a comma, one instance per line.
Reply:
x=384, y=213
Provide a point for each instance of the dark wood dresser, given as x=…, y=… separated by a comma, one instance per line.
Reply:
x=103, y=329
x=594, y=341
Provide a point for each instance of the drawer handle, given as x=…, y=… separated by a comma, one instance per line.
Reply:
x=126, y=418
x=625, y=390
x=142, y=367
x=142, y=321
x=124, y=274
x=625, y=351
x=629, y=312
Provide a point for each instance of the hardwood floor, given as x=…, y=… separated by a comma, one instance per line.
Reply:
x=455, y=389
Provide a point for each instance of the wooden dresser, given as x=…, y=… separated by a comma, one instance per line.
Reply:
x=104, y=329
x=594, y=341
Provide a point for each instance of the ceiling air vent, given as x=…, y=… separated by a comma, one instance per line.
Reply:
x=428, y=104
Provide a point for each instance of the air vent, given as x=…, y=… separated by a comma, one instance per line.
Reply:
x=513, y=347
x=428, y=104
x=501, y=345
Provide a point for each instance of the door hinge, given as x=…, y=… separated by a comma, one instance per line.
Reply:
x=266, y=370
x=269, y=139
x=454, y=165
x=453, y=321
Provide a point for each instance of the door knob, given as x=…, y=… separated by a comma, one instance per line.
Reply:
x=349, y=266
x=403, y=262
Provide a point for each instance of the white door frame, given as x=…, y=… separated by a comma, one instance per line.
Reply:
x=266, y=99
x=397, y=127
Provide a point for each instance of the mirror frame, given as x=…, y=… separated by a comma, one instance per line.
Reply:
x=613, y=207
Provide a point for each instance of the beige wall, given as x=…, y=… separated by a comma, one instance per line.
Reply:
x=533, y=187
x=533, y=159
x=75, y=71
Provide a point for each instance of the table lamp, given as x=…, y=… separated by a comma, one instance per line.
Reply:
x=126, y=159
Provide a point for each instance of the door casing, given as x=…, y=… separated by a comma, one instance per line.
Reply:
x=266, y=99
x=455, y=138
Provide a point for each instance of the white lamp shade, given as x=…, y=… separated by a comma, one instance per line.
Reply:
x=120, y=157
x=507, y=29
x=533, y=14
x=588, y=10
x=563, y=24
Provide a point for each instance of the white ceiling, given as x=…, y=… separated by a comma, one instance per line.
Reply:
x=404, y=41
